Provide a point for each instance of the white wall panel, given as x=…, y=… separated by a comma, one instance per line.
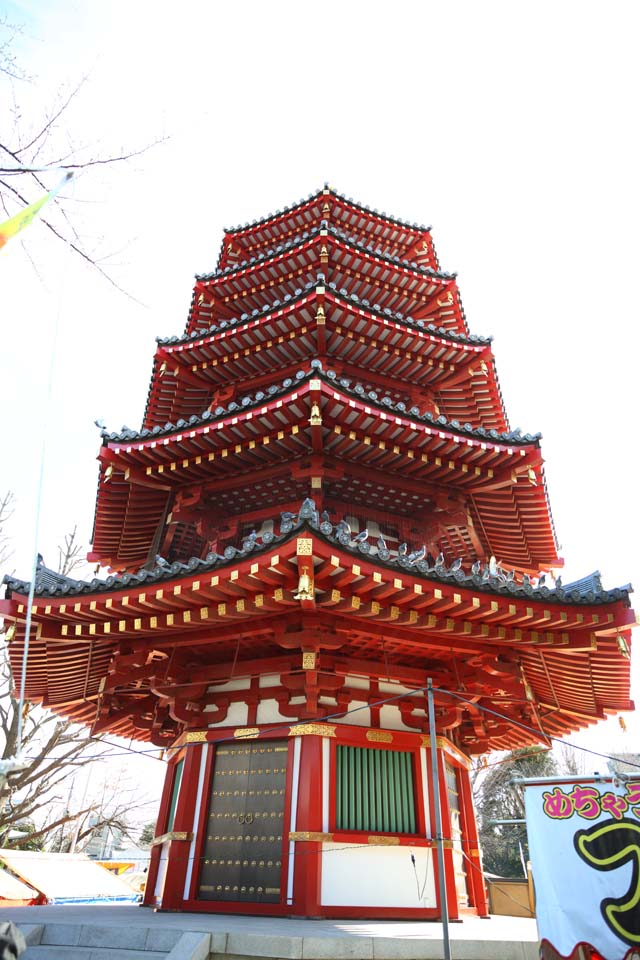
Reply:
x=377, y=876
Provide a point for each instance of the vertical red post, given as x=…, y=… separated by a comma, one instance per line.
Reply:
x=161, y=825
x=173, y=895
x=471, y=847
x=308, y=853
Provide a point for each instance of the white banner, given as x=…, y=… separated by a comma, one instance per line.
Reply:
x=584, y=843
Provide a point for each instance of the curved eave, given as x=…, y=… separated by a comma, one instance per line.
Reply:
x=396, y=236
x=458, y=370
x=400, y=287
x=498, y=474
x=327, y=230
x=568, y=650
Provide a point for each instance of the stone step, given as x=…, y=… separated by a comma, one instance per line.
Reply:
x=51, y=952
x=74, y=941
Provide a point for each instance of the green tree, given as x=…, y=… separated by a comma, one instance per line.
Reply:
x=499, y=797
x=147, y=834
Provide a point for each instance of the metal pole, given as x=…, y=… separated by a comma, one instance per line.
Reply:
x=438, y=838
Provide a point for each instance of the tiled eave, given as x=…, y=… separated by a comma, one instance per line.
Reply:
x=324, y=229
x=568, y=648
x=262, y=400
x=138, y=475
x=301, y=295
x=398, y=287
x=328, y=540
x=392, y=234
x=459, y=370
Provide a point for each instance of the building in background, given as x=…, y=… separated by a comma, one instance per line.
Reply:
x=324, y=510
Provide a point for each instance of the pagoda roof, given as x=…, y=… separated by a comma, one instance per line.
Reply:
x=558, y=650
x=324, y=229
x=270, y=430
x=586, y=590
x=394, y=235
x=402, y=285
x=303, y=292
x=323, y=192
x=397, y=353
x=384, y=403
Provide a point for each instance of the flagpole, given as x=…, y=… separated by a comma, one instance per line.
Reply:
x=442, y=884
x=38, y=506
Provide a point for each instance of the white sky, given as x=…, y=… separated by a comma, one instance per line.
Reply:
x=508, y=127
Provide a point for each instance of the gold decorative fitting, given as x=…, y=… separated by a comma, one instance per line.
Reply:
x=10, y=633
x=195, y=736
x=623, y=647
x=310, y=835
x=375, y=841
x=315, y=419
x=304, y=547
x=446, y=301
x=312, y=729
x=174, y=835
x=305, y=587
x=246, y=733
x=320, y=315
x=379, y=736
x=309, y=661
x=316, y=483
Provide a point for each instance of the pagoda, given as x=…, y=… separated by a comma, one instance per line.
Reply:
x=324, y=514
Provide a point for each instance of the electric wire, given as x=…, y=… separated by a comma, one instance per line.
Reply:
x=278, y=728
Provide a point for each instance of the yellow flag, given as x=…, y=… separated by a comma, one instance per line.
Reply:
x=15, y=224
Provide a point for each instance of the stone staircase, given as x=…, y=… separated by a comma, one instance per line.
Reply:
x=74, y=941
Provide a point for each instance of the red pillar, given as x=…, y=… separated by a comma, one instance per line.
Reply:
x=178, y=856
x=161, y=825
x=308, y=853
x=471, y=847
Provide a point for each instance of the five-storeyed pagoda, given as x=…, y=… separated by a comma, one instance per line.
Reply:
x=324, y=508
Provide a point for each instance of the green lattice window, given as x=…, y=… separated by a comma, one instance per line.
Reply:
x=375, y=790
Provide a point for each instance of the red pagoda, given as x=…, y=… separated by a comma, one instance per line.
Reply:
x=325, y=509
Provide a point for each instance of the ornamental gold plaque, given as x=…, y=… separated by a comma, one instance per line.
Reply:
x=379, y=736
x=310, y=835
x=246, y=733
x=174, y=835
x=195, y=736
x=309, y=661
x=383, y=841
x=304, y=546
x=312, y=729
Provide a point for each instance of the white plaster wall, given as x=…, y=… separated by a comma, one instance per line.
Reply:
x=359, y=683
x=359, y=718
x=425, y=789
x=377, y=876
x=328, y=701
x=196, y=818
x=295, y=782
x=238, y=683
x=390, y=719
x=236, y=716
x=326, y=768
x=390, y=687
x=270, y=680
x=162, y=871
x=269, y=712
